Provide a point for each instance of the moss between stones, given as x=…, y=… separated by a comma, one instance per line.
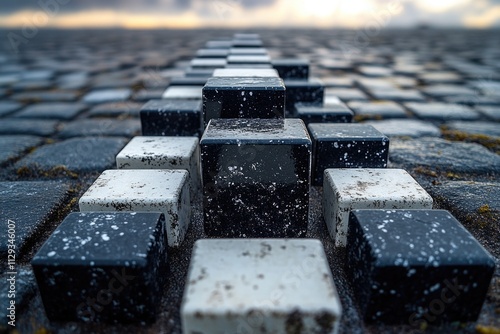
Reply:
x=487, y=330
x=426, y=171
x=54, y=172
x=484, y=209
x=490, y=142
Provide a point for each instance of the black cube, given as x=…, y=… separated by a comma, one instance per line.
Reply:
x=331, y=113
x=256, y=178
x=103, y=267
x=243, y=97
x=172, y=117
x=416, y=267
x=346, y=146
x=309, y=91
x=292, y=68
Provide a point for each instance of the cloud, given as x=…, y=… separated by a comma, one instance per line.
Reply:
x=143, y=6
x=246, y=13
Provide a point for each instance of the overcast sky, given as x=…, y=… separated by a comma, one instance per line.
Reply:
x=244, y=13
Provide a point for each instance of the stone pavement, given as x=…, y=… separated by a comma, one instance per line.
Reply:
x=71, y=100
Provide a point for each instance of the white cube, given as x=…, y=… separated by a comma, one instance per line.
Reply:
x=165, y=191
x=163, y=153
x=345, y=189
x=259, y=286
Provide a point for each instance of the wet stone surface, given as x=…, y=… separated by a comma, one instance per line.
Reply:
x=107, y=95
x=331, y=113
x=116, y=109
x=30, y=205
x=377, y=110
x=347, y=189
x=442, y=112
x=13, y=147
x=79, y=155
x=216, y=295
x=243, y=97
x=303, y=91
x=294, y=69
x=145, y=62
x=256, y=172
x=406, y=265
x=103, y=267
x=442, y=155
x=405, y=128
x=346, y=146
x=27, y=127
x=172, y=117
x=476, y=205
x=8, y=107
x=55, y=111
x=165, y=191
x=101, y=127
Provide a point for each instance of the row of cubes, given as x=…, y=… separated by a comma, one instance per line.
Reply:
x=258, y=172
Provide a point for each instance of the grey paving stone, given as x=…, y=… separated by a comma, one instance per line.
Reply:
x=478, y=100
x=335, y=82
x=476, y=205
x=405, y=128
x=36, y=75
x=377, y=110
x=29, y=204
x=107, y=95
x=32, y=85
x=27, y=127
x=439, y=91
x=8, y=107
x=24, y=287
x=375, y=71
x=444, y=156
x=12, y=147
x=101, y=127
x=442, y=111
x=8, y=79
x=116, y=109
x=490, y=112
x=46, y=96
x=475, y=128
x=400, y=95
x=346, y=94
x=51, y=110
x=440, y=77
x=76, y=155
x=144, y=95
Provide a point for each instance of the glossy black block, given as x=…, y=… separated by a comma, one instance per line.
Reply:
x=103, y=267
x=294, y=69
x=416, y=267
x=313, y=113
x=256, y=178
x=172, y=117
x=309, y=91
x=346, y=146
x=243, y=97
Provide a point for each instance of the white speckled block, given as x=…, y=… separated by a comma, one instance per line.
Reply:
x=163, y=153
x=151, y=190
x=260, y=286
x=345, y=189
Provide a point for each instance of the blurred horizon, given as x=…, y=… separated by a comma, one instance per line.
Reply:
x=195, y=14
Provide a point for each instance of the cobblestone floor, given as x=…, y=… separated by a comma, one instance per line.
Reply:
x=69, y=102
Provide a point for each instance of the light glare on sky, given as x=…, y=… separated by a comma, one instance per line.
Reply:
x=248, y=13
